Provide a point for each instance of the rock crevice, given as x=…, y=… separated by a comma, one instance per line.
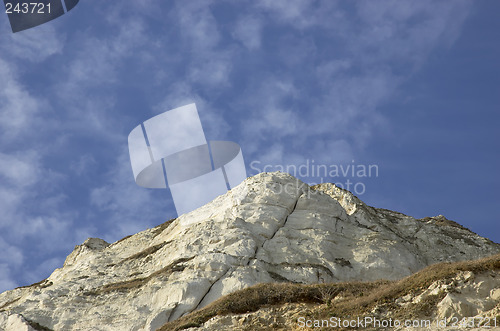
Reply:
x=270, y=228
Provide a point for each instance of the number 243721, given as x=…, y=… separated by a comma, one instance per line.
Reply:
x=27, y=8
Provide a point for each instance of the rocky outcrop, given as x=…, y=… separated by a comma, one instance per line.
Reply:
x=460, y=298
x=15, y=322
x=465, y=302
x=270, y=228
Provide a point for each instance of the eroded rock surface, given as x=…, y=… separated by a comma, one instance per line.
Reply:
x=270, y=228
x=468, y=301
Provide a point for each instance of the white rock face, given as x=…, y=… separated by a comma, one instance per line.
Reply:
x=14, y=322
x=476, y=294
x=270, y=228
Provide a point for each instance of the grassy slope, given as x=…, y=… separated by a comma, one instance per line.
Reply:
x=357, y=298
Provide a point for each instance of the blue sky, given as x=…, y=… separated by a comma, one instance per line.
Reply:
x=413, y=87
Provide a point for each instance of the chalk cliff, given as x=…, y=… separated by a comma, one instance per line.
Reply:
x=270, y=228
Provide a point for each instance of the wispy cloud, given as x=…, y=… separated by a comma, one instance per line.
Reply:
x=248, y=30
x=365, y=54
x=125, y=207
x=32, y=211
x=40, y=125
x=18, y=108
x=287, y=80
x=33, y=45
x=302, y=14
x=11, y=259
x=197, y=24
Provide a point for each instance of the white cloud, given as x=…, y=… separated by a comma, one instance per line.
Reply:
x=319, y=102
x=18, y=174
x=6, y=280
x=11, y=258
x=28, y=186
x=182, y=93
x=83, y=164
x=213, y=71
x=364, y=60
x=44, y=269
x=35, y=45
x=51, y=232
x=274, y=123
x=209, y=63
x=18, y=108
x=20, y=170
x=129, y=208
x=328, y=70
x=33, y=218
x=197, y=24
x=248, y=30
x=406, y=31
x=178, y=94
x=10, y=254
x=301, y=14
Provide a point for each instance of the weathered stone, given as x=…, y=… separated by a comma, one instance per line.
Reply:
x=270, y=228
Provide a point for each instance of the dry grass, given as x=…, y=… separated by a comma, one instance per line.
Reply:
x=120, y=240
x=160, y=228
x=443, y=221
x=156, y=231
x=144, y=253
x=253, y=298
x=8, y=303
x=414, y=284
x=138, y=282
x=41, y=284
x=355, y=298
